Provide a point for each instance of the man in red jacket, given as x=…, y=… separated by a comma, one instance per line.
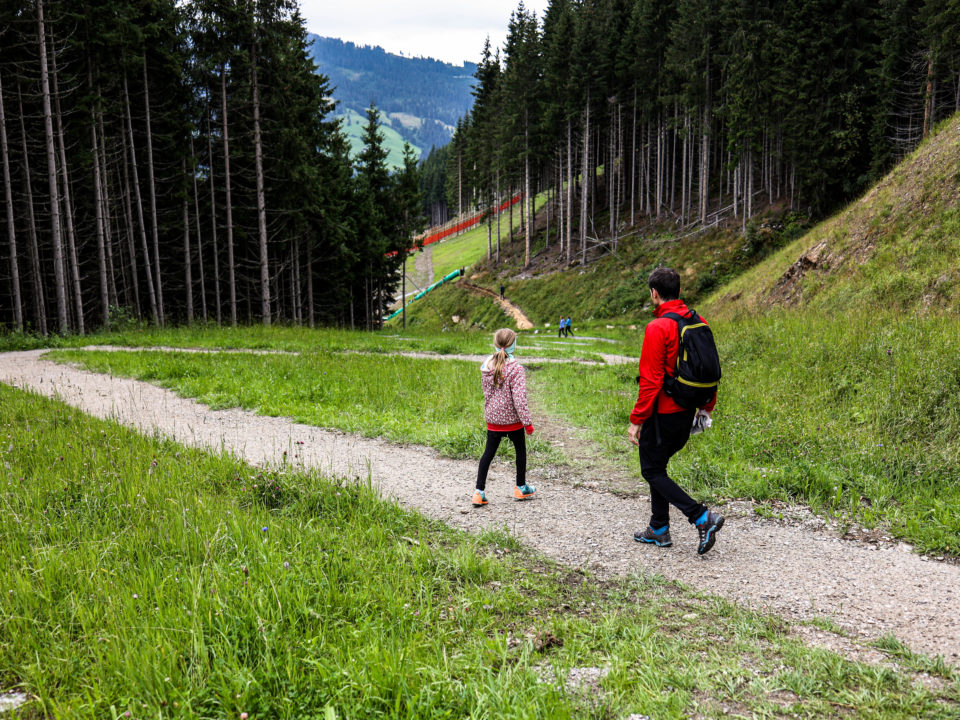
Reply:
x=658, y=426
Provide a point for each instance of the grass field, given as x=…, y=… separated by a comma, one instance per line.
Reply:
x=464, y=250
x=856, y=418
x=142, y=579
x=437, y=403
x=353, y=125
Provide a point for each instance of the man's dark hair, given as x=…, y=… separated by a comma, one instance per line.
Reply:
x=666, y=281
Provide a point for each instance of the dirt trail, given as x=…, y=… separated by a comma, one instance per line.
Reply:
x=797, y=571
x=511, y=310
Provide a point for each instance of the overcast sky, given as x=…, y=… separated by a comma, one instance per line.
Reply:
x=449, y=31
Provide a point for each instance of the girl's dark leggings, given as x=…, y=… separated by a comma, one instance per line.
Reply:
x=519, y=441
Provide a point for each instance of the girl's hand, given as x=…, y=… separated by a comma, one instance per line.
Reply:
x=529, y=429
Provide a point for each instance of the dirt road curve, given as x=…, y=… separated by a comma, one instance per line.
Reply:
x=797, y=572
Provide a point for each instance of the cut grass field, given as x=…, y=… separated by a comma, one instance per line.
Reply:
x=143, y=579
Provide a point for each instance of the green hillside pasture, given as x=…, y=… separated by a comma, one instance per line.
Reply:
x=612, y=289
x=895, y=248
x=143, y=579
x=464, y=250
x=855, y=415
x=437, y=403
x=353, y=125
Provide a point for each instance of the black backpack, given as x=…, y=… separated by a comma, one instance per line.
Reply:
x=698, y=363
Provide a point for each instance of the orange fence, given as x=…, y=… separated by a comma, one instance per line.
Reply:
x=438, y=233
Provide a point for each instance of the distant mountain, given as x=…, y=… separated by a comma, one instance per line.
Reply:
x=420, y=99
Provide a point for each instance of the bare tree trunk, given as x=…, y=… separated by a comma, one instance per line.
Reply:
x=584, y=184
x=633, y=160
x=187, y=255
x=11, y=229
x=131, y=231
x=58, y=274
x=101, y=158
x=213, y=215
x=196, y=216
x=261, y=200
x=39, y=301
x=928, y=97
x=527, y=199
x=499, y=213
x=151, y=177
x=310, y=310
x=611, y=176
x=231, y=270
x=154, y=311
x=67, y=204
x=98, y=201
x=569, y=188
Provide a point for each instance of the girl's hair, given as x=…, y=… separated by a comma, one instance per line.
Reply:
x=502, y=339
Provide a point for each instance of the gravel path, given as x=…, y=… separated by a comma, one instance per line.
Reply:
x=798, y=572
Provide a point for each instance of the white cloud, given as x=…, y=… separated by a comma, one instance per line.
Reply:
x=447, y=31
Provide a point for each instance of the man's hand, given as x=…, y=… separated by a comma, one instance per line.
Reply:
x=632, y=434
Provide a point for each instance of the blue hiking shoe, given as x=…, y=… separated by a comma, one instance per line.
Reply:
x=523, y=492
x=708, y=525
x=659, y=537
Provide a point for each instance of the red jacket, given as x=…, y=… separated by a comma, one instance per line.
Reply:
x=661, y=342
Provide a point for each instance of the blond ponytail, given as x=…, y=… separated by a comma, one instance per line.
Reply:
x=502, y=339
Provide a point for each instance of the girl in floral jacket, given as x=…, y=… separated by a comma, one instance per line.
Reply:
x=505, y=411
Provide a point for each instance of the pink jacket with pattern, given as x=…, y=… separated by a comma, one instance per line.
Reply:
x=505, y=407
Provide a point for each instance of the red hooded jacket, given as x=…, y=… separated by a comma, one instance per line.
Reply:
x=661, y=343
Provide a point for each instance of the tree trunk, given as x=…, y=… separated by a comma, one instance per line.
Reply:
x=11, y=229
x=105, y=200
x=213, y=216
x=231, y=270
x=196, y=216
x=527, y=199
x=67, y=204
x=187, y=255
x=58, y=273
x=39, y=301
x=261, y=200
x=584, y=184
x=569, y=228
x=98, y=201
x=128, y=217
x=310, y=311
x=151, y=177
x=151, y=292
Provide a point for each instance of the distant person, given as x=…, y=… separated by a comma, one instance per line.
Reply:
x=569, y=328
x=505, y=410
x=502, y=290
x=563, y=327
x=659, y=425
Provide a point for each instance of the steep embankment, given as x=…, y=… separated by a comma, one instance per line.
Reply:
x=897, y=247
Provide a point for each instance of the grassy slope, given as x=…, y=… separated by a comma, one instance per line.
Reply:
x=610, y=289
x=353, y=125
x=143, y=579
x=897, y=247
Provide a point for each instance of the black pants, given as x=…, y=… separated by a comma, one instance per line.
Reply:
x=519, y=441
x=560, y=333
x=664, y=492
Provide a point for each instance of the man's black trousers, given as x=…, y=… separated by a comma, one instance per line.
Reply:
x=673, y=435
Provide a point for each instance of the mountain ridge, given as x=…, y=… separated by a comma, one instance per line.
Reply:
x=420, y=98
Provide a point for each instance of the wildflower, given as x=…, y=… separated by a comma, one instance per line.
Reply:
x=243, y=716
x=263, y=529
x=286, y=565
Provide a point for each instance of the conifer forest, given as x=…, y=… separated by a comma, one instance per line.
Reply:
x=175, y=163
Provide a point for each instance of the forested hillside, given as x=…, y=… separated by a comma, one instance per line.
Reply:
x=422, y=97
x=692, y=112
x=179, y=161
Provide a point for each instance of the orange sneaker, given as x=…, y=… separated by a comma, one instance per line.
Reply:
x=479, y=498
x=523, y=492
